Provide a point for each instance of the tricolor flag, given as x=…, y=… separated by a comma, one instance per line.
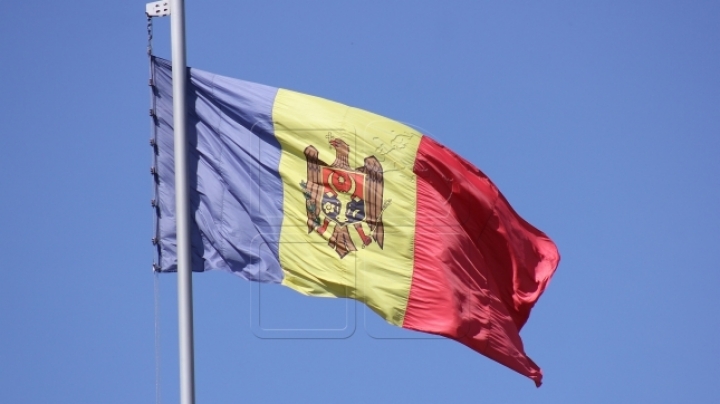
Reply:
x=335, y=201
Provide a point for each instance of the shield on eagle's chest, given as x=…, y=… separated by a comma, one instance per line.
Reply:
x=343, y=198
x=339, y=199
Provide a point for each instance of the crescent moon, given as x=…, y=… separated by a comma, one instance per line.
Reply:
x=350, y=178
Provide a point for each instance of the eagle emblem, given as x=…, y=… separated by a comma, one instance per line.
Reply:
x=341, y=197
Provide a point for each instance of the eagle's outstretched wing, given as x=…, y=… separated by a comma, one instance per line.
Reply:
x=313, y=187
x=374, y=185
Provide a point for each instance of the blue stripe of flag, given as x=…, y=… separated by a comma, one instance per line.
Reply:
x=236, y=191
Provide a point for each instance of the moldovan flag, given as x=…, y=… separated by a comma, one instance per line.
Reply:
x=335, y=201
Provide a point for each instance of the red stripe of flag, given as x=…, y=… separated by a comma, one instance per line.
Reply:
x=479, y=267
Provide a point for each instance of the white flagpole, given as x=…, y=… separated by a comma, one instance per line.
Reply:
x=182, y=205
x=176, y=10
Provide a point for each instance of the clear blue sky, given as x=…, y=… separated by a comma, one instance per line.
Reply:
x=599, y=120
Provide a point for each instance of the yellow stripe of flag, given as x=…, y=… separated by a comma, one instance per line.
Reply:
x=378, y=277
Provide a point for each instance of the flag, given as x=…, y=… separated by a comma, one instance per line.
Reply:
x=334, y=201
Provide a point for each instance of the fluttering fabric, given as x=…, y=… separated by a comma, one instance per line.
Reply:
x=335, y=201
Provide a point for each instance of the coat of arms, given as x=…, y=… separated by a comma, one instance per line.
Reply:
x=340, y=197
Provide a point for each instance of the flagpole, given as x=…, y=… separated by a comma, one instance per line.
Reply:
x=182, y=205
